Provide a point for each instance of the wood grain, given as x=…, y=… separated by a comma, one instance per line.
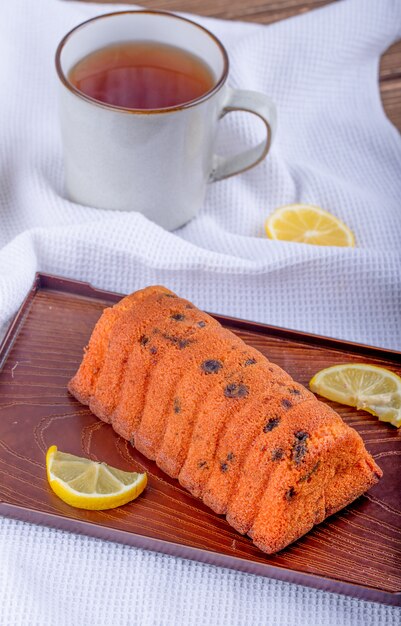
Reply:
x=357, y=551
x=269, y=11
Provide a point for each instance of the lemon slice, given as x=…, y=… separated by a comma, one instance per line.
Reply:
x=306, y=223
x=374, y=389
x=87, y=484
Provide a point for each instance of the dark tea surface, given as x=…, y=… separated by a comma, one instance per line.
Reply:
x=142, y=75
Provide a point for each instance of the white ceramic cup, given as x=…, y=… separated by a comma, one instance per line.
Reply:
x=157, y=162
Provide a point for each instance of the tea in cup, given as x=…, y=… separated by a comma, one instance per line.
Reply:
x=141, y=96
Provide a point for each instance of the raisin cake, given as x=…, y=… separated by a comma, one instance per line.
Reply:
x=235, y=429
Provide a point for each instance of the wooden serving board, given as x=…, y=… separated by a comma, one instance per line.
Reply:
x=356, y=552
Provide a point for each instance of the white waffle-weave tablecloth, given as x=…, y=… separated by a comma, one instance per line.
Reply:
x=334, y=147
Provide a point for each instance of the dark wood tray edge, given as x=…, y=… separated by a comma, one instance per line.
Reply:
x=198, y=554
x=66, y=285
x=12, y=330
x=49, y=281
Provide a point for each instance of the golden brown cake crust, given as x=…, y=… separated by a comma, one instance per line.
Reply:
x=234, y=428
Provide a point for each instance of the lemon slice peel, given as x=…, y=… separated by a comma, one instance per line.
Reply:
x=91, y=485
x=308, y=223
x=371, y=388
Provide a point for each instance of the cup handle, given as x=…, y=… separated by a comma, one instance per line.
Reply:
x=251, y=102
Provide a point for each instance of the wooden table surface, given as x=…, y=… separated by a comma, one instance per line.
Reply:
x=268, y=11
